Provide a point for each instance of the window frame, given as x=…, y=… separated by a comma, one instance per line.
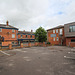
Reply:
x=56, y=30
x=13, y=42
x=72, y=40
x=58, y=39
x=26, y=36
x=54, y=39
x=61, y=32
x=0, y=36
x=53, y=31
x=12, y=35
x=21, y=36
x=30, y=36
x=13, y=30
x=1, y=29
x=71, y=28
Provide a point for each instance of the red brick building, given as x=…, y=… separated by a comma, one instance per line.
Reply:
x=25, y=36
x=56, y=35
x=11, y=35
x=8, y=34
x=70, y=34
x=62, y=35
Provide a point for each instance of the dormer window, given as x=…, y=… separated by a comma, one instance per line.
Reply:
x=0, y=29
x=13, y=30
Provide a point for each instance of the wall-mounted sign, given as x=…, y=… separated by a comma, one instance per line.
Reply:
x=53, y=35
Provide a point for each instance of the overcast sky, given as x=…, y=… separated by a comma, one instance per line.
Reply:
x=31, y=14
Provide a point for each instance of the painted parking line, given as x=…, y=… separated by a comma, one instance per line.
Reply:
x=71, y=53
x=4, y=53
x=69, y=57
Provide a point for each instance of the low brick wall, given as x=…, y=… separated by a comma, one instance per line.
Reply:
x=32, y=44
x=72, y=44
x=36, y=43
x=5, y=43
x=23, y=45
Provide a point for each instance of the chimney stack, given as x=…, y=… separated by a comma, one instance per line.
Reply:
x=24, y=30
x=7, y=23
x=31, y=30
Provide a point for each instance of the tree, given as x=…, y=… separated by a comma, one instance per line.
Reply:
x=41, y=35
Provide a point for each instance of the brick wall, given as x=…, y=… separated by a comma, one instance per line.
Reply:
x=7, y=34
x=5, y=43
x=69, y=43
x=72, y=44
x=28, y=36
x=50, y=39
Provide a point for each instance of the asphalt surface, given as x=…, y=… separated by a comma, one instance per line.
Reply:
x=53, y=60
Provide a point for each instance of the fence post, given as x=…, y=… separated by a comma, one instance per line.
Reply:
x=21, y=45
x=10, y=46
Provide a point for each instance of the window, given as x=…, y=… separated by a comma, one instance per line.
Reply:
x=53, y=31
x=72, y=40
x=13, y=35
x=72, y=29
x=57, y=31
x=31, y=36
x=53, y=35
x=21, y=36
x=0, y=36
x=57, y=38
x=26, y=36
x=0, y=29
x=0, y=43
x=13, y=30
x=13, y=42
x=60, y=31
x=53, y=39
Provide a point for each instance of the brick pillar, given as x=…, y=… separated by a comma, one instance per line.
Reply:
x=10, y=46
x=39, y=43
x=21, y=45
x=29, y=44
x=35, y=43
x=44, y=44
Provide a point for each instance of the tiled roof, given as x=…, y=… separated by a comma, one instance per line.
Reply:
x=5, y=26
x=60, y=26
x=25, y=32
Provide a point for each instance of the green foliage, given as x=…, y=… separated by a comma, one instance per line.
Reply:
x=48, y=43
x=41, y=35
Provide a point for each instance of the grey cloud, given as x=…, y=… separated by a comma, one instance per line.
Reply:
x=30, y=14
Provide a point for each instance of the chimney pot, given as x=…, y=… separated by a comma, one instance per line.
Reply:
x=31, y=30
x=24, y=30
x=7, y=23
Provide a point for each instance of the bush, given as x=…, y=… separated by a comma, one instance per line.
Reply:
x=48, y=43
